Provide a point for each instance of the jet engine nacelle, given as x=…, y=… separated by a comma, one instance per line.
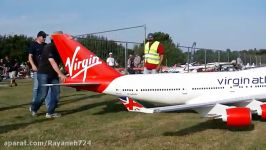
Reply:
x=263, y=111
x=239, y=116
x=257, y=107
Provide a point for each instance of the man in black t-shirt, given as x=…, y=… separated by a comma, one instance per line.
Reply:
x=35, y=51
x=45, y=66
x=49, y=73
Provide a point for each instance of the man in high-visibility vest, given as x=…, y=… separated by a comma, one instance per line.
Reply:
x=153, y=55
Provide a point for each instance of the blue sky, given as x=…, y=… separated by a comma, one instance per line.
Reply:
x=217, y=24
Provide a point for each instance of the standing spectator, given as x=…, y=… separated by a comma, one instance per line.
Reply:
x=2, y=66
x=137, y=63
x=48, y=73
x=153, y=51
x=5, y=71
x=1, y=62
x=35, y=51
x=130, y=64
x=13, y=67
x=110, y=60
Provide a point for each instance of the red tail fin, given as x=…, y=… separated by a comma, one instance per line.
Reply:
x=81, y=64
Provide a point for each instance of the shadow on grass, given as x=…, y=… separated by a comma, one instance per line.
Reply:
x=24, y=83
x=85, y=107
x=14, y=106
x=210, y=124
x=76, y=94
x=11, y=127
x=77, y=99
x=16, y=126
x=113, y=107
x=63, y=102
x=256, y=117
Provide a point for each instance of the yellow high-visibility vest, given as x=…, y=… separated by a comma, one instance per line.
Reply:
x=151, y=55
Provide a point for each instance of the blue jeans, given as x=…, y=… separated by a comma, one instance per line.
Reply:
x=35, y=86
x=35, y=89
x=42, y=92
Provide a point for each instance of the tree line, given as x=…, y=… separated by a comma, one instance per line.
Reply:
x=16, y=46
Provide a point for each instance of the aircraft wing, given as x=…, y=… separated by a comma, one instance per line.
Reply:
x=194, y=106
x=236, y=99
x=73, y=84
x=235, y=110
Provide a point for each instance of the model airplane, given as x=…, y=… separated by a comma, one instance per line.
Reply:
x=230, y=96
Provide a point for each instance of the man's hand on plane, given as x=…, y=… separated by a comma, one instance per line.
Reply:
x=62, y=78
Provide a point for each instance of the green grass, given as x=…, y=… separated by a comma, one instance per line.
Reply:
x=103, y=122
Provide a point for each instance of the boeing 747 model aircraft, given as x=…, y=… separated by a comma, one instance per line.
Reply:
x=229, y=96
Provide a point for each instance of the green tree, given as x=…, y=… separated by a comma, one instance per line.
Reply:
x=172, y=54
x=15, y=46
x=101, y=46
x=200, y=56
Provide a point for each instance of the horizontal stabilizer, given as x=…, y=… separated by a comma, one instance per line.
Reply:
x=73, y=84
x=134, y=106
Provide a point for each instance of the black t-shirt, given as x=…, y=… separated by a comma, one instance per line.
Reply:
x=132, y=63
x=12, y=65
x=49, y=51
x=36, y=50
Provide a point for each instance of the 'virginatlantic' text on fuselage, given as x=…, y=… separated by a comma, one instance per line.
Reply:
x=242, y=81
x=82, y=66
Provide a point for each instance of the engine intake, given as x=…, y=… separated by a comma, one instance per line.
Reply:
x=240, y=116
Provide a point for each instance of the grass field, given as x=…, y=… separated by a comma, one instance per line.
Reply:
x=98, y=121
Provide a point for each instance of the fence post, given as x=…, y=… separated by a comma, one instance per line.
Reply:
x=188, y=59
x=126, y=59
x=205, y=58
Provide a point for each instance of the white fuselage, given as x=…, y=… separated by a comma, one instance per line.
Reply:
x=188, y=87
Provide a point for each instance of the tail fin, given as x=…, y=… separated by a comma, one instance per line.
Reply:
x=82, y=65
x=134, y=106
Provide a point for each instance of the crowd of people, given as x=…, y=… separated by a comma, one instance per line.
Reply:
x=10, y=68
x=134, y=64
